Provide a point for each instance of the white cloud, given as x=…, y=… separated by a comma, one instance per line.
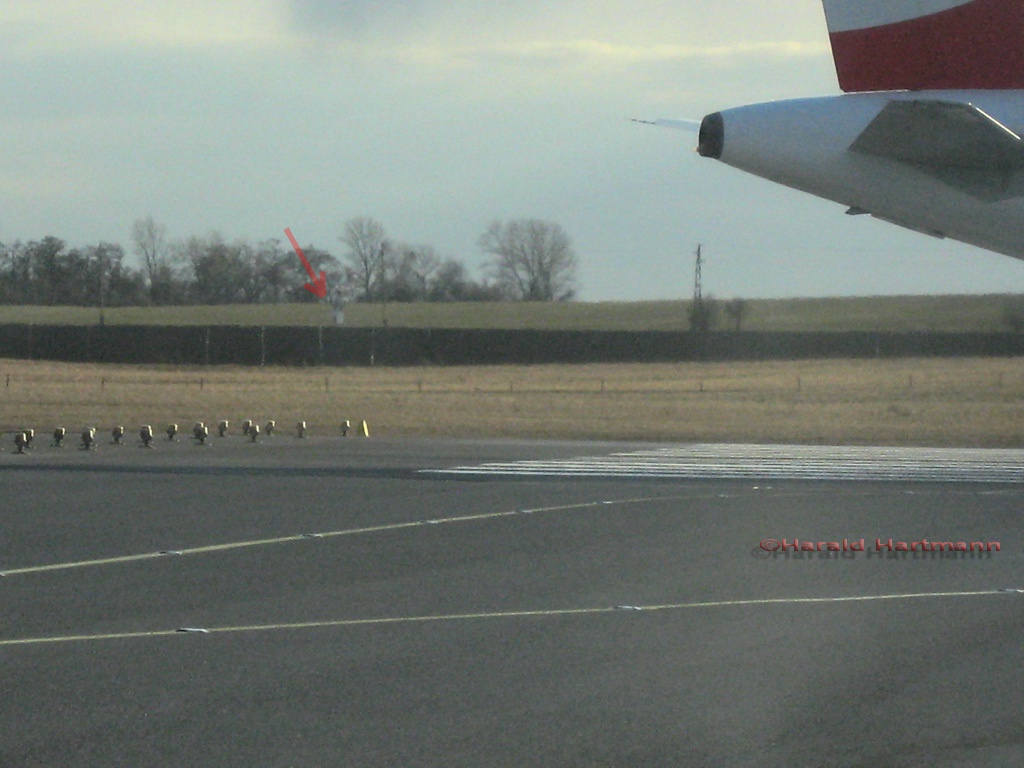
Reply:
x=693, y=22
x=62, y=26
x=602, y=54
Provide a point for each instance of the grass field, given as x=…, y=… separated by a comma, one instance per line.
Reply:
x=229, y=314
x=875, y=313
x=872, y=313
x=962, y=402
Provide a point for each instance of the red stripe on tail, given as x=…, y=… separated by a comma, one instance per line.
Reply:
x=979, y=45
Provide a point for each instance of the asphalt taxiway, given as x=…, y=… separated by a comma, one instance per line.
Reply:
x=416, y=602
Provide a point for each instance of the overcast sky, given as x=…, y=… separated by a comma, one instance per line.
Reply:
x=437, y=117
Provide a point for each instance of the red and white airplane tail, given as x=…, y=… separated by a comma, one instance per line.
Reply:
x=929, y=138
x=888, y=45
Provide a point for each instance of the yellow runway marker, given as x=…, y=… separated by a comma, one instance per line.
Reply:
x=500, y=615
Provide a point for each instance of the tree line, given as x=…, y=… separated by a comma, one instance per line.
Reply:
x=526, y=260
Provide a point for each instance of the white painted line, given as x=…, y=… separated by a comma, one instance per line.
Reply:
x=777, y=462
x=324, y=535
x=455, y=617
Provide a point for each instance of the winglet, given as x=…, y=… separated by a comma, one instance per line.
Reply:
x=684, y=125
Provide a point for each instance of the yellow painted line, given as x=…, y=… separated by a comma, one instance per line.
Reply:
x=498, y=615
x=324, y=535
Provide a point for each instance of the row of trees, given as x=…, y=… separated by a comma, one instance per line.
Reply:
x=527, y=260
x=46, y=272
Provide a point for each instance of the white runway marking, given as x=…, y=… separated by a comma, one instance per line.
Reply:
x=322, y=535
x=502, y=615
x=776, y=462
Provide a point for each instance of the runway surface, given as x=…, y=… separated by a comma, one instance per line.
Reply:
x=479, y=603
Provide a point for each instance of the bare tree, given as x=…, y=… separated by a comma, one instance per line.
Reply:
x=275, y=271
x=223, y=273
x=532, y=260
x=737, y=311
x=149, y=243
x=449, y=284
x=415, y=267
x=368, y=252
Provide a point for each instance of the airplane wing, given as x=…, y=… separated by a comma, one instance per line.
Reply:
x=955, y=142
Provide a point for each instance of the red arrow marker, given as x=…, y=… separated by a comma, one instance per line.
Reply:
x=319, y=285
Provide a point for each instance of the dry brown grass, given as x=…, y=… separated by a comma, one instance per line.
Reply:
x=966, y=402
